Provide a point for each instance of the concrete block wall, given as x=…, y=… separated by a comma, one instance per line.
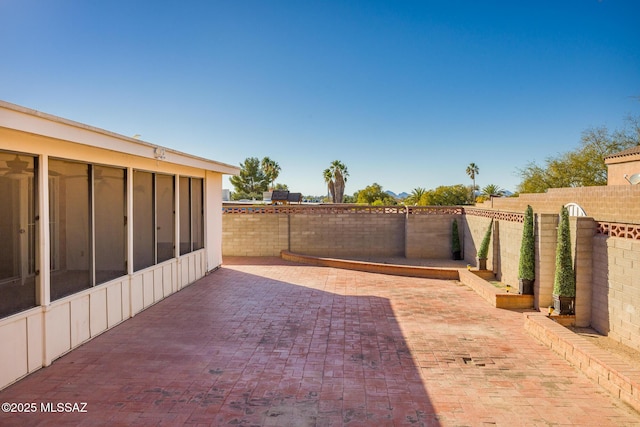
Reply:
x=330, y=235
x=429, y=236
x=613, y=203
x=474, y=227
x=507, y=242
x=616, y=289
x=582, y=231
x=347, y=234
x=546, y=239
x=600, y=289
x=254, y=234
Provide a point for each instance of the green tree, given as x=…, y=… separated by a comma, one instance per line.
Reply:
x=534, y=179
x=446, y=196
x=350, y=199
x=250, y=182
x=271, y=170
x=281, y=186
x=374, y=195
x=336, y=176
x=583, y=166
x=416, y=196
x=472, y=171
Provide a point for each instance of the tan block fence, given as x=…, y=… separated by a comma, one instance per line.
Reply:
x=606, y=254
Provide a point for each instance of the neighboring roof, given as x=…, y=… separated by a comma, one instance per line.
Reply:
x=627, y=152
x=16, y=117
x=280, y=196
x=294, y=197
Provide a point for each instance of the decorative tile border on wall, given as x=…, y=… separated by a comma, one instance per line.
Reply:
x=435, y=210
x=292, y=210
x=347, y=209
x=612, y=229
x=499, y=215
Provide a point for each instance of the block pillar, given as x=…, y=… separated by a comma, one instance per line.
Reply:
x=582, y=234
x=546, y=237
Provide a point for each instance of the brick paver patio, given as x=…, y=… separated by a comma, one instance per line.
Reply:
x=266, y=342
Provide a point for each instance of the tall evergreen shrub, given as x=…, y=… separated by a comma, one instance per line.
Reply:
x=564, y=284
x=526, y=267
x=484, y=245
x=455, y=237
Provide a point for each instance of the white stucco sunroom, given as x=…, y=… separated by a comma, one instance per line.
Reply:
x=94, y=228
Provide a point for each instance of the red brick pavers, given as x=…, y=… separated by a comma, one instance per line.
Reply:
x=266, y=342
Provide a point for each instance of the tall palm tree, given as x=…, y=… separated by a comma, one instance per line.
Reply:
x=331, y=189
x=271, y=170
x=472, y=171
x=336, y=176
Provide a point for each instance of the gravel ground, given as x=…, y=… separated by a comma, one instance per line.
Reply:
x=622, y=351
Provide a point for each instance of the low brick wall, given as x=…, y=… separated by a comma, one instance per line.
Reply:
x=614, y=375
x=494, y=296
x=371, y=267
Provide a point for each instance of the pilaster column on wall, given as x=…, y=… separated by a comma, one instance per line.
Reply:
x=546, y=236
x=494, y=257
x=407, y=250
x=582, y=234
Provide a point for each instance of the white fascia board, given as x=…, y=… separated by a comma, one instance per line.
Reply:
x=26, y=120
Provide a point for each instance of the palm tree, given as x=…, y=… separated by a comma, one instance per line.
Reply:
x=415, y=196
x=271, y=170
x=492, y=190
x=336, y=176
x=331, y=190
x=472, y=171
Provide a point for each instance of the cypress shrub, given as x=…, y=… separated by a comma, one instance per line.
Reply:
x=564, y=283
x=526, y=266
x=484, y=246
x=455, y=237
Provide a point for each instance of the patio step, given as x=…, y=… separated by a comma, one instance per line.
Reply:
x=373, y=267
x=618, y=377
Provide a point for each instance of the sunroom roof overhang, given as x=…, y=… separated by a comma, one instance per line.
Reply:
x=23, y=119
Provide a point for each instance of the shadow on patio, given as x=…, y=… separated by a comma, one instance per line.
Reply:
x=238, y=348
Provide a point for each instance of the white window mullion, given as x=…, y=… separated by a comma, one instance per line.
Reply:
x=129, y=219
x=92, y=220
x=43, y=236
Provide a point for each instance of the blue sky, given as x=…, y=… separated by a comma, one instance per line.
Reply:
x=405, y=93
